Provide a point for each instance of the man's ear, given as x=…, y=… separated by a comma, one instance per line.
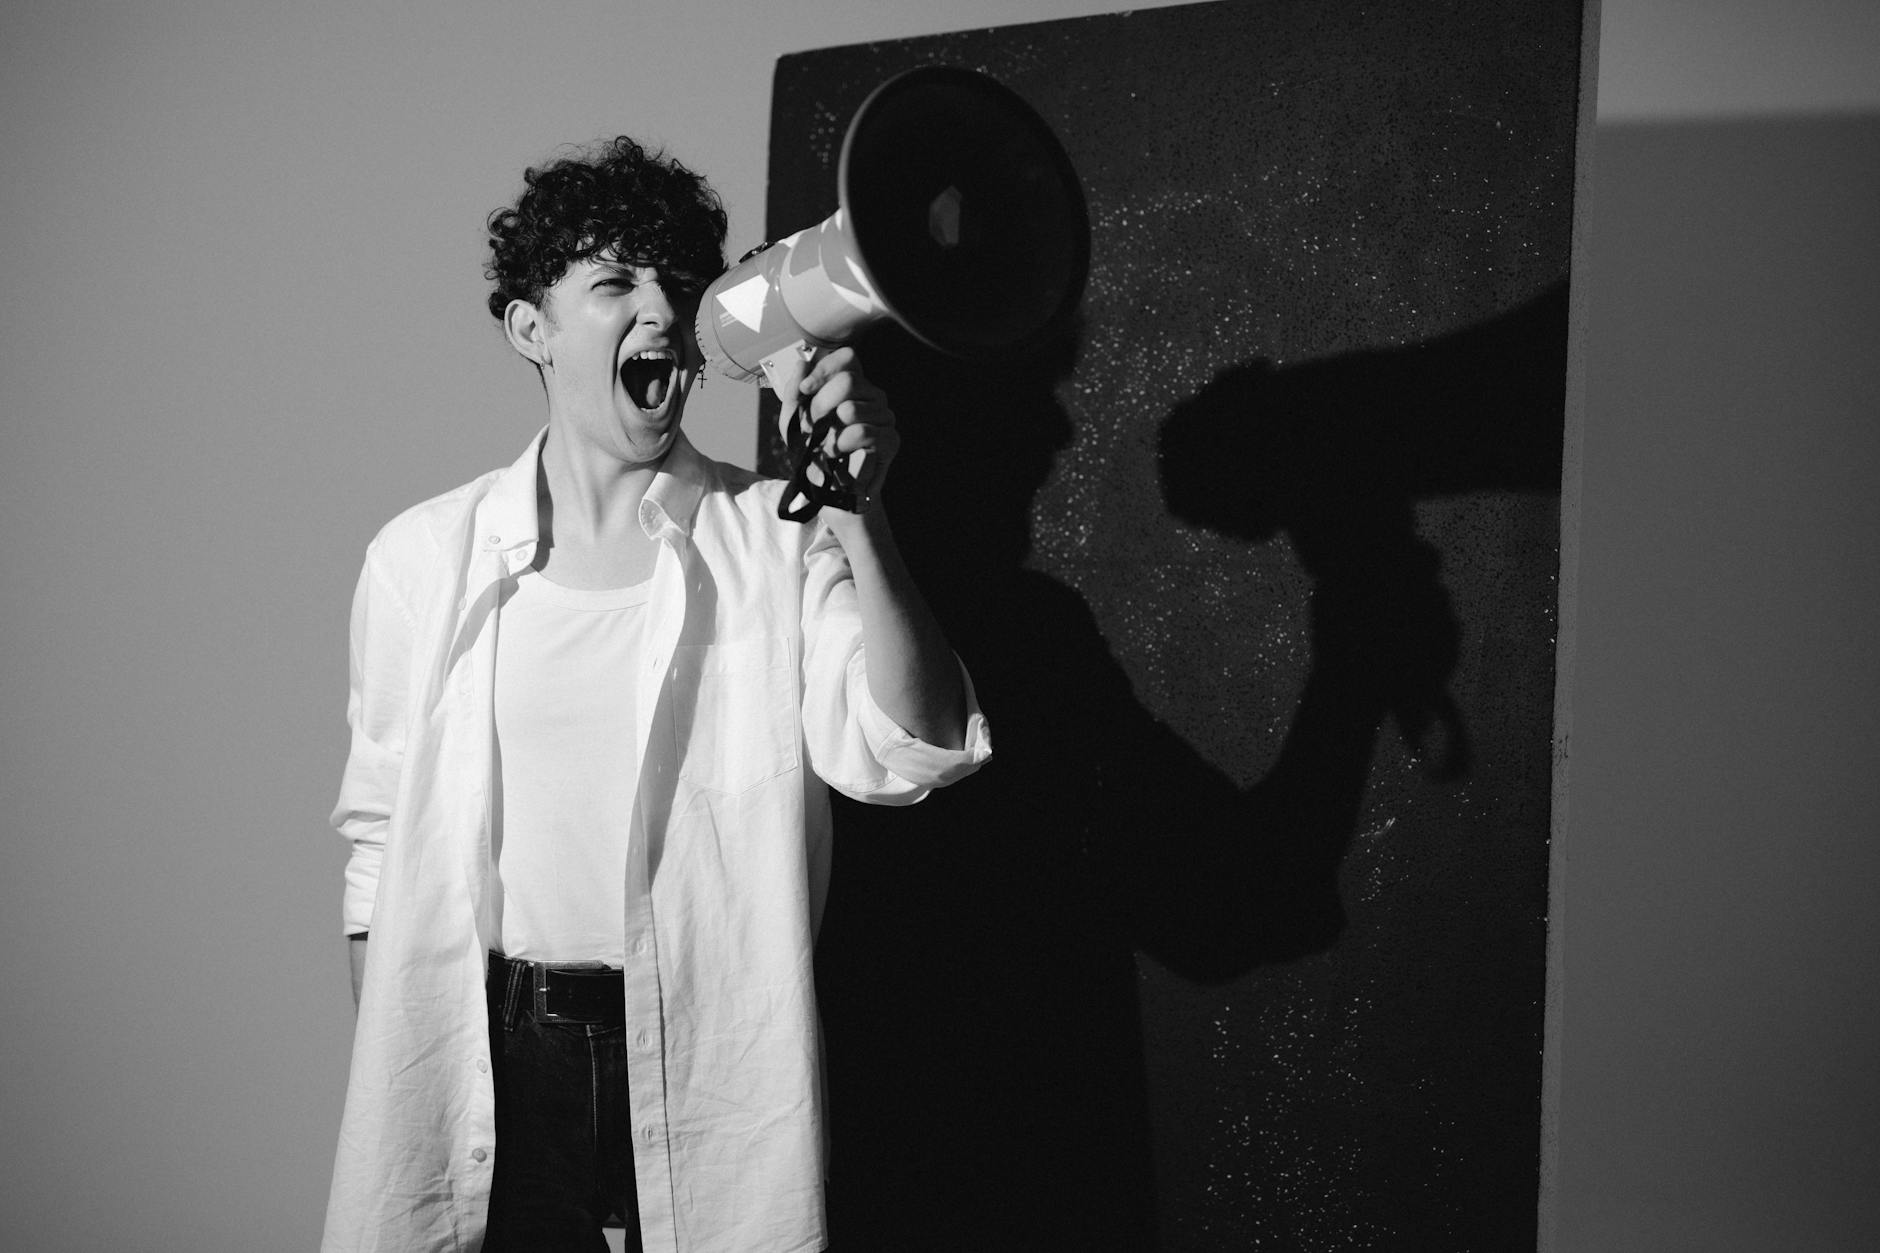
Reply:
x=527, y=329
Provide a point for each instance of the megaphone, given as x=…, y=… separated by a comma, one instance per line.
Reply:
x=960, y=218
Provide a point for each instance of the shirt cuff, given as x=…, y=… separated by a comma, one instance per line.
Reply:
x=915, y=760
x=362, y=888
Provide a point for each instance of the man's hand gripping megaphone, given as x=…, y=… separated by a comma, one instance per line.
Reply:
x=837, y=425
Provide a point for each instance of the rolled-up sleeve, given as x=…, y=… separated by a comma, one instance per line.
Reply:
x=380, y=652
x=853, y=746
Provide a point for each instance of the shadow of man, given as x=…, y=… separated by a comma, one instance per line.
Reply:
x=978, y=962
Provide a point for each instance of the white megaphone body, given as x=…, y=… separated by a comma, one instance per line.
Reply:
x=960, y=218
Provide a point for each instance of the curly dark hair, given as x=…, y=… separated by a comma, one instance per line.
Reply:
x=615, y=196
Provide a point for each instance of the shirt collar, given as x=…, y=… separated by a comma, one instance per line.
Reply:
x=672, y=501
x=507, y=521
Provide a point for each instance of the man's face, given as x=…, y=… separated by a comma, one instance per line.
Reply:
x=621, y=357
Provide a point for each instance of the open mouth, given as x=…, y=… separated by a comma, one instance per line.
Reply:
x=648, y=379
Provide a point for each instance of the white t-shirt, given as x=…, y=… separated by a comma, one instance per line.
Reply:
x=566, y=767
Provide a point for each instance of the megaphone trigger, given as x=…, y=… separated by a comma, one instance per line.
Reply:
x=783, y=372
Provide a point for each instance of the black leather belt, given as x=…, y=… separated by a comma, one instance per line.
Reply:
x=565, y=992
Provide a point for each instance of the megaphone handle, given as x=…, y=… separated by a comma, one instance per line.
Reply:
x=834, y=485
x=837, y=488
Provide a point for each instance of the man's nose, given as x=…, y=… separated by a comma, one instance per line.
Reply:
x=657, y=308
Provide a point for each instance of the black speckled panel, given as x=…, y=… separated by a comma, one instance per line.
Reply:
x=1238, y=943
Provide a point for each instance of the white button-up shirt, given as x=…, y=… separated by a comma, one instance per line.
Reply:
x=752, y=696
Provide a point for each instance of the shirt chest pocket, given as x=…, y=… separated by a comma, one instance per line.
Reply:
x=734, y=713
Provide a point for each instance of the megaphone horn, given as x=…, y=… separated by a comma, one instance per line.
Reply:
x=959, y=217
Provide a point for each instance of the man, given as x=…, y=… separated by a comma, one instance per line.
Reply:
x=595, y=701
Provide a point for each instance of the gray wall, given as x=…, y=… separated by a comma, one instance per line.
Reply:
x=244, y=326
x=1720, y=1028
x=1717, y=1081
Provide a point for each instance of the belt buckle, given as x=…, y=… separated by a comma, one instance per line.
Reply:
x=542, y=1012
x=541, y=972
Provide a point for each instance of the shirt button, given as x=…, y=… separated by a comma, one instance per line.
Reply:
x=483, y=1067
x=645, y=1039
x=492, y=540
x=649, y=1133
x=479, y=1155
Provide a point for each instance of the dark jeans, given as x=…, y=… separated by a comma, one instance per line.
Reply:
x=564, y=1156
